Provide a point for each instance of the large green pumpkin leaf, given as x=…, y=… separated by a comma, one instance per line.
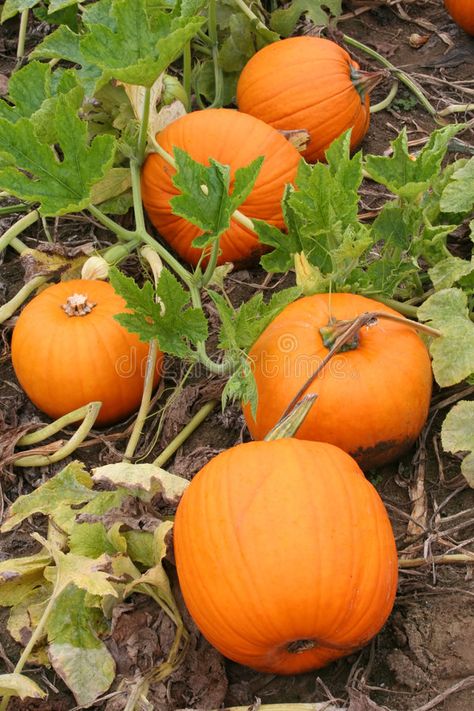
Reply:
x=458, y=195
x=128, y=48
x=453, y=352
x=205, y=199
x=457, y=435
x=405, y=175
x=155, y=314
x=31, y=170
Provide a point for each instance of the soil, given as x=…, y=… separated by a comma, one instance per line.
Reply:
x=427, y=645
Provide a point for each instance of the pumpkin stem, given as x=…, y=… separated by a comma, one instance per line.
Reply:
x=300, y=645
x=78, y=305
x=290, y=423
x=365, y=82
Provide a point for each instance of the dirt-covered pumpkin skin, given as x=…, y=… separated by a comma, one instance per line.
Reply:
x=232, y=138
x=63, y=362
x=306, y=83
x=285, y=555
x=462, y=12
x=372, y=401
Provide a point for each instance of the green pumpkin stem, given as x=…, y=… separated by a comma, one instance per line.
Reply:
x=290, y=423
x=365, y=82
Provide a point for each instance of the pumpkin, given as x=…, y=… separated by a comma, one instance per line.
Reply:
x=234, y=139
x=372, y=401
x=308, y=83
x=462, y=12
x=285, y=555
x=68, y=350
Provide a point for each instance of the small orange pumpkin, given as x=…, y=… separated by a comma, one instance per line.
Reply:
x=372, y=401
x=232, y=138
x=68, y=350
x=462, y=12
x=308, y=83
x=285, y=555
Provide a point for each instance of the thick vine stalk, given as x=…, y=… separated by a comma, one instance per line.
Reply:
x=10, y=236
x=186, y=432
x=41, y=460
x=8, y=309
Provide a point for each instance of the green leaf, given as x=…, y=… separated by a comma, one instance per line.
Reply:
x=171, y=321
x=127, y=48
x=19, y=685
x=13, y=7
x=90, y=539
x=285, y=21
x=242, y=327
x=77, y=654
x=63, y=43
x=408, y=177
x=60, y=186
x=71, y=486
x=140, y=547
x=458, y=195
x=449, y=271
x=241, y=386
x=280, y=259
x=457, y=435
x=27, y=89
x=453, y=352
x=205, y=200
x=239, y=46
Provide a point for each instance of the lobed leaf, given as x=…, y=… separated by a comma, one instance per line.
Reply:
x=171, y=321
x=318, y=12
x=458, y=195
x=19, y=685
x=31, y=170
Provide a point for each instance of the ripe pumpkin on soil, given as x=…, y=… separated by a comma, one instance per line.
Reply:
x=308, y=83
x=285, y=555
x=68, y=350
x=372, y=401
x=232, y=138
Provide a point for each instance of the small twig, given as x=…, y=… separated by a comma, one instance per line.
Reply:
x=466, y=683
x=452, y=559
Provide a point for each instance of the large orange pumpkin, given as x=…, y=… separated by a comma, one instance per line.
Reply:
x=462, y=12
x=308, y=83
x=64, y=360
x=372, y=401
x=234, y=139
x=285, y=555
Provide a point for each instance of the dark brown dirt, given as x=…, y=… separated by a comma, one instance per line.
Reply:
x=427, y=645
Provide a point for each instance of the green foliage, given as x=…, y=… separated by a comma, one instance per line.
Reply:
x=163, y=314
x=453, y=352
x=457, y=435
x=319, y=12
x=205, y=198
x=408, y=177
x=458, y=195
x=61, y=185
